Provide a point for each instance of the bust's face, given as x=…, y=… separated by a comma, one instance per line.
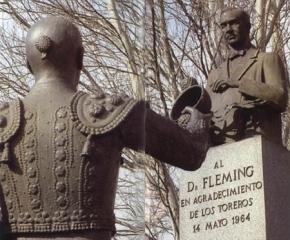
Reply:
x=234, y=29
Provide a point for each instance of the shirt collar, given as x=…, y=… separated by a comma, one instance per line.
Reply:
x=236, y=53
x=232, y=53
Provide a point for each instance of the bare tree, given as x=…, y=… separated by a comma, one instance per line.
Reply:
x=149, y=49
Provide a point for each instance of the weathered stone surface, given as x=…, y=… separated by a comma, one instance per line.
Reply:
x=241, y=192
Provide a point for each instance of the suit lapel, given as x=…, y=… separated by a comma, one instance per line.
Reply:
x=250, y=58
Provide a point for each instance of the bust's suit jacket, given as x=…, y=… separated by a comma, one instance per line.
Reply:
x=255, y=106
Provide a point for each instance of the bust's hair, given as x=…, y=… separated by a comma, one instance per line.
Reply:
x=243, y=15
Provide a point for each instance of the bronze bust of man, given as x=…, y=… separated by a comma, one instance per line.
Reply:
x=248, y=90
x=60, y=148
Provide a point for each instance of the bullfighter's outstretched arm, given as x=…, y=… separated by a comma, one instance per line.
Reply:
x=163, y=139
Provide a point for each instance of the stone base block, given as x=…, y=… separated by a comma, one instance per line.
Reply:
x=241, y=192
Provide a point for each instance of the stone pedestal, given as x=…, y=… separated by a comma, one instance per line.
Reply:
x=241, y=192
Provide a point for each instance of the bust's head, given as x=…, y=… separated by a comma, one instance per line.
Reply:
x=54, y=45
x=235, y=25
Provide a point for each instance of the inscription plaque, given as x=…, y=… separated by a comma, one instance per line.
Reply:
x=241, y=192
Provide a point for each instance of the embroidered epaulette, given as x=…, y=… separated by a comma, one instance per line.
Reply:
x=10, y=116
x=99, y=113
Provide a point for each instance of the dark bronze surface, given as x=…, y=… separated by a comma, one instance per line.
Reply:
x=61, y=149
x=249, y=90
x=191, y=111
x=194, y=97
